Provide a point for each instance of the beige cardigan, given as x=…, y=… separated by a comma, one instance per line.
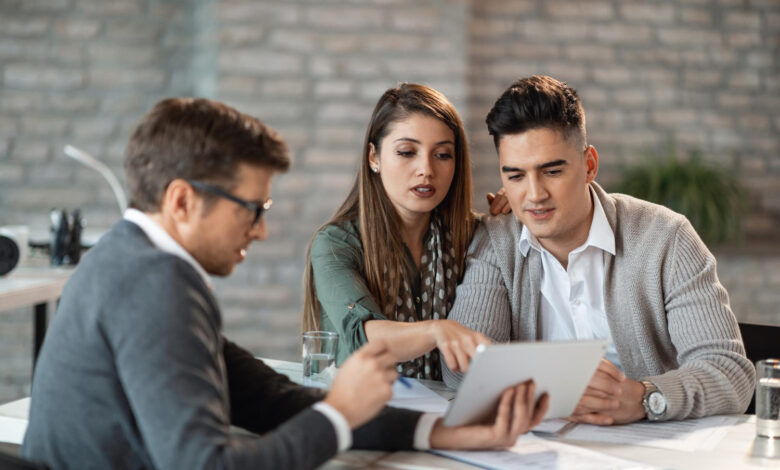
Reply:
x=668, y=313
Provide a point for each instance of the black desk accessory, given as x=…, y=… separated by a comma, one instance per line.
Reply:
x=9, y=254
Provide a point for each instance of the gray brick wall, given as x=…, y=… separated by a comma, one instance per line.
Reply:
x=703, y=74
x=314, y=72
x=700, y=74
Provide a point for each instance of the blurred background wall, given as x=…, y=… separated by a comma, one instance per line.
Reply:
x=699, y=74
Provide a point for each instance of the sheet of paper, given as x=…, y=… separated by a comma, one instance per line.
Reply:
x=688, y=435
x=418, y=397
x=551, y=426
x=534, y=453
x=12, y=429
x=16, y=409
x=13, y=420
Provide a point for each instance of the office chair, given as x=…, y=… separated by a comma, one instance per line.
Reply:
x=12, y=462
x=761, y=342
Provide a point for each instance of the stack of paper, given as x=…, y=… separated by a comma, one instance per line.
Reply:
x=534, y=453
x=688, y=435
x=417, y=397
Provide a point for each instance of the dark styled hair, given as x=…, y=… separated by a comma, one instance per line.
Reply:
x=538, y=102
x=369, y=203
x=197, y=139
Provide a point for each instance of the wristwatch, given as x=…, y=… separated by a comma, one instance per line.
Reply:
x=654, y=401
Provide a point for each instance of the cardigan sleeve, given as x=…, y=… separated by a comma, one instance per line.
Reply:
x=714, y=376
x=345, y=300
x=481, y=299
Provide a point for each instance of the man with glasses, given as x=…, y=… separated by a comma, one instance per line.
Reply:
x=135, y=372
x=258, y=209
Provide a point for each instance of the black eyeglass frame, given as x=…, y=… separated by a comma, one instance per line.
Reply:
x=258, y=209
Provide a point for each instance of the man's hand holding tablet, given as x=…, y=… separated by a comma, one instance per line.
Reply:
x=516, y=414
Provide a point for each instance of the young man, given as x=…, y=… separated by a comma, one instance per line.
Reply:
x=135, y=372
x=573, y=262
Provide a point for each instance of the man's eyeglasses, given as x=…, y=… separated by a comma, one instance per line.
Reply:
x=258, y=209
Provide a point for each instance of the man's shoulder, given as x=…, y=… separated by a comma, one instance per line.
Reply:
x=501, y=232
x=502, y=226
x=125, y=257
x=635, y=212
x=643, y=228
x=129, y=283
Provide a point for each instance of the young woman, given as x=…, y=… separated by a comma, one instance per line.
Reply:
x=387, y=263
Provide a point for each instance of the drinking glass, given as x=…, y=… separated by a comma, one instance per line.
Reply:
x=319, y=358
x=768, y=398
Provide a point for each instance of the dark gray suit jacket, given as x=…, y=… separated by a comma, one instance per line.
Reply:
x=135, y=374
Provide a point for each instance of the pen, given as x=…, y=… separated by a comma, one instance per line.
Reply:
x=405, y=382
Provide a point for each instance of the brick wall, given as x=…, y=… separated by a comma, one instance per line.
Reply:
x=701, y=73
x=314, y=71
x=82, y=72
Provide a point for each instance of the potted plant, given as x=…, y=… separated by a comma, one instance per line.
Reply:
x=708, y=195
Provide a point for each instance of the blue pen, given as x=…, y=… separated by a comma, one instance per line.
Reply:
x=405, y=382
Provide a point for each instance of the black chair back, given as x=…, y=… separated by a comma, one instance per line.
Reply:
x=761, y=342
x=12, y=462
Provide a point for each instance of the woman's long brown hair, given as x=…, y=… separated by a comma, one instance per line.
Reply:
x=368, y=202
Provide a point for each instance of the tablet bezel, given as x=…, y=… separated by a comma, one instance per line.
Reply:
x=561, y=368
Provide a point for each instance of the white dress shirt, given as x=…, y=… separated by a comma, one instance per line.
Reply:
x=162, y=240
x=572, y=303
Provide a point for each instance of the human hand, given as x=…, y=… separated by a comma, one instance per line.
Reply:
x=610, y=398
x=456, y=343
x=499, y=204
x=364, y=383
x=516, y=415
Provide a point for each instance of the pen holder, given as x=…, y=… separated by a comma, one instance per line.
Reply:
x=65, y=243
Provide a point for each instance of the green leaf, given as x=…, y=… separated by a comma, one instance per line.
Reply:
x=708, y=195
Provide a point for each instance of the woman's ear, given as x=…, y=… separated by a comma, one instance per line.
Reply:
x=373, y=157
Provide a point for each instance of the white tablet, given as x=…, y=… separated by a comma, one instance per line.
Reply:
x=560, y=368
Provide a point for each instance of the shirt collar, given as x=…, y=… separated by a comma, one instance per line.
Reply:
x=600, y=234
x=527, y=240
x=163, y=241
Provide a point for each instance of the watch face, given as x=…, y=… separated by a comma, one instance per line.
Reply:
x=657, y=403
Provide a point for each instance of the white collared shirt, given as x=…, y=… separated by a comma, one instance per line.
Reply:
x=572, y=303
x=163, y=240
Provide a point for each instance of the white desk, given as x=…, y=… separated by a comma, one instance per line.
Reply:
x=736, y=450
x=33, y=287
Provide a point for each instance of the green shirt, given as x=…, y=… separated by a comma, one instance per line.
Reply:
x=343, y=295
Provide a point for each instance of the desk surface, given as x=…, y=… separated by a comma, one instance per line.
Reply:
x=738, y=450
x=30, y=286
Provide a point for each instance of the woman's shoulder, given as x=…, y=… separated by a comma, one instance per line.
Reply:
x=338, y=233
